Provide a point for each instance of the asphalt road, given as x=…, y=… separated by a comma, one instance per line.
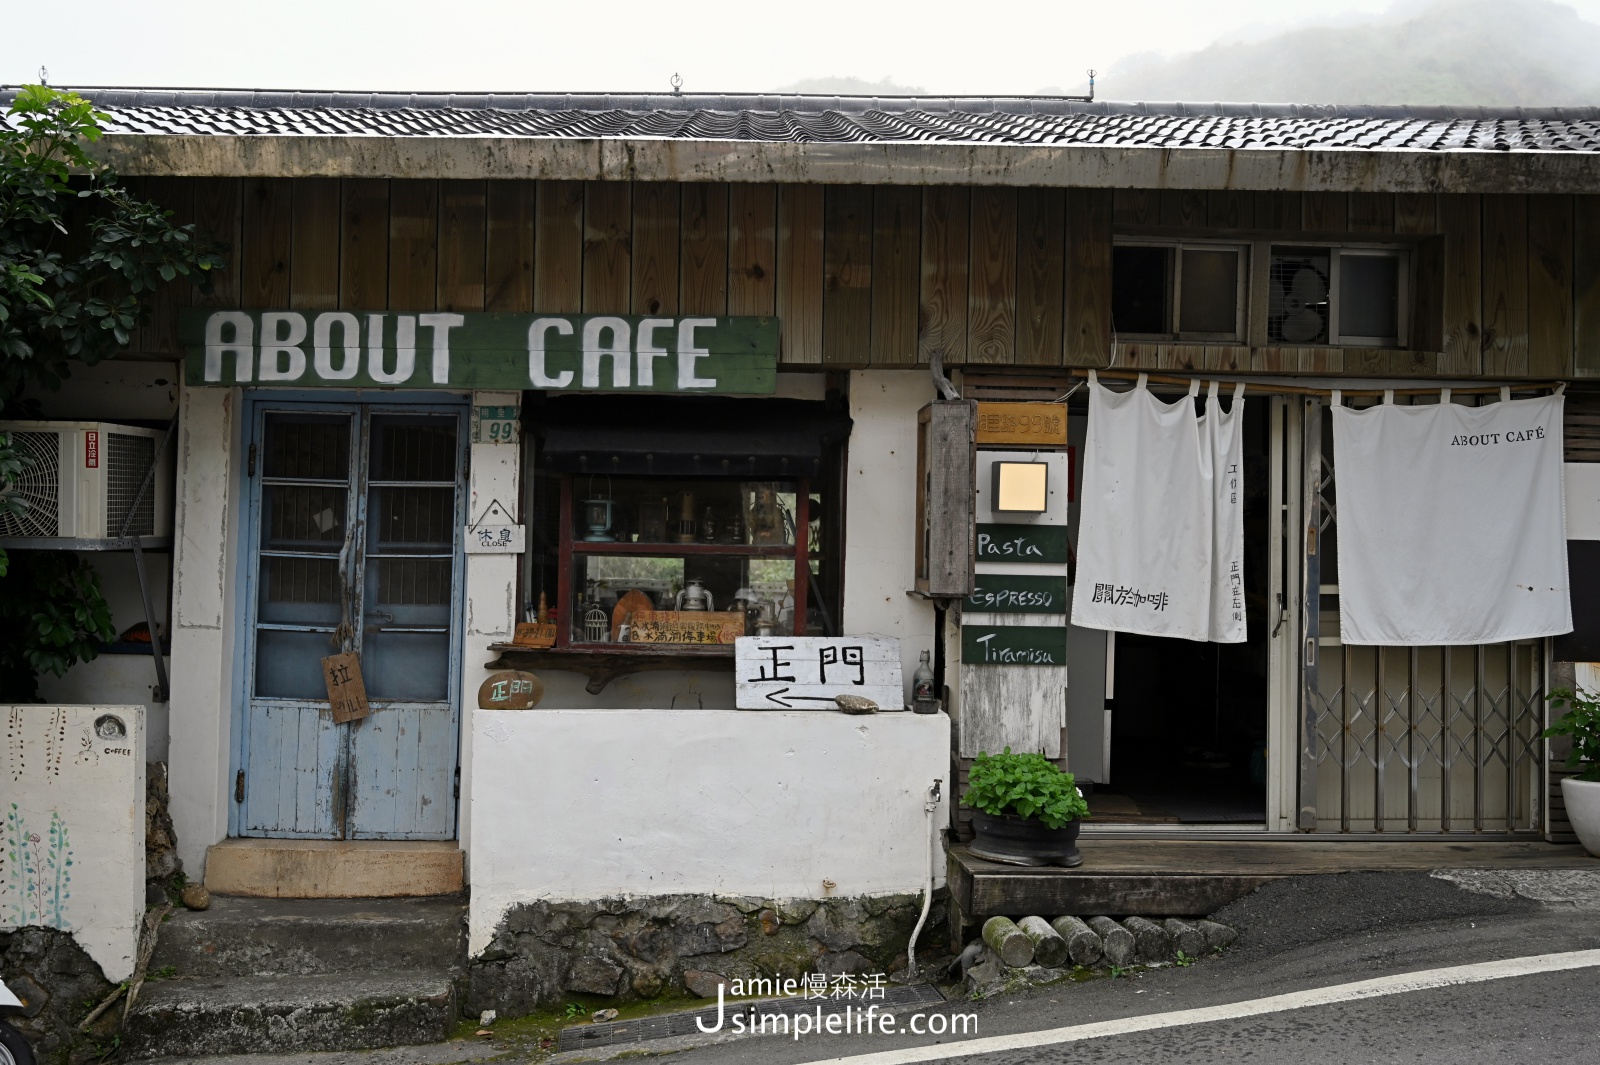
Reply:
x=1297, y=935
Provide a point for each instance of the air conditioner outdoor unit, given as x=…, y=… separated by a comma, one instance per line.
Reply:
x=80, y=479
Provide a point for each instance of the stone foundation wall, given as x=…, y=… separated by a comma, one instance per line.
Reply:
x=673, y=945
x=58, y=983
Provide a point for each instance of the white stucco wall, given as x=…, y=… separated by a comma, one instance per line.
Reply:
x=119, y=679
x=586, y=804
x=205, y=531
x=491, y=585
x=880, y=512
x=72, y=826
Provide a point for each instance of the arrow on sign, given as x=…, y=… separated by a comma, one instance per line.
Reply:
x=773, y=697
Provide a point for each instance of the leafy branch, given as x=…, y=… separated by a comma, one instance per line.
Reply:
x=1582, y=723
x=1026, y=784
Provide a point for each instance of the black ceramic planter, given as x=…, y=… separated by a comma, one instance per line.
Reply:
x=1018, y=840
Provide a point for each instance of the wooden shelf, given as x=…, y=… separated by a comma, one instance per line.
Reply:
x=617, y=547
x=602, y=664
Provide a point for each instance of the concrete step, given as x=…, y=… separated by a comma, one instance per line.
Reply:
x=287, y=1014
x=334, y=869
x=245, y=937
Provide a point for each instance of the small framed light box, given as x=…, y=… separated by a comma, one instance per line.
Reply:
x=1020, y=487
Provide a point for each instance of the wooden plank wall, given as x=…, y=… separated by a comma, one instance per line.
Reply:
x=888, y=275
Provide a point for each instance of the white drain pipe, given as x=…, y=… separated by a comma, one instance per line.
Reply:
x=930, y=808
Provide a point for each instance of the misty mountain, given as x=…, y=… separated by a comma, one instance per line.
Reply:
x=1485, y=52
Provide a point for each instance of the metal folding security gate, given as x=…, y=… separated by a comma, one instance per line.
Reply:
x=1406, y=739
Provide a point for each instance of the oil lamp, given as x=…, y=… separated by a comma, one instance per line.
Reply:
x=598, y=511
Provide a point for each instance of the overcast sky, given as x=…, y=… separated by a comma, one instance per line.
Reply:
x=980, y=46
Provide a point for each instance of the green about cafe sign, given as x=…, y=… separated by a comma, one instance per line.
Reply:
x=559, y=352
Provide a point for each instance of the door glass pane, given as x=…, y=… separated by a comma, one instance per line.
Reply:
x=1141, y=289
x=405, y=593
x=413, y=447
x=403, y=518
x=1210, y=293
x=411, y=530
x=1369, y=296
x=289, y=664
x=407, y=666
x=299, y=591
x=313, y=447
x=303, y=517
x=304, y=528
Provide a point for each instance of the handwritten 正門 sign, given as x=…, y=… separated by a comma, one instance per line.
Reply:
x=807, y=672
x=553, y=352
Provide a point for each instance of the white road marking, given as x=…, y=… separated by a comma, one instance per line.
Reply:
x=1322, y=996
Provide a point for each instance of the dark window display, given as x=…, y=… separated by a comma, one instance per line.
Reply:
x=656, y=563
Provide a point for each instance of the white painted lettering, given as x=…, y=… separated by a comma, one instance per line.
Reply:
x=536, y=353
x=619, y=351
x=322, y=345
x=688, y=353
x=405, y=349
x=282, y=333
x=648, y=351
x=441, y=324
x=241, y=344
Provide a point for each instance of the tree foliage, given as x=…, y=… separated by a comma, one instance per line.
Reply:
x=52, y=616
x=80, y=254
x=80, y=257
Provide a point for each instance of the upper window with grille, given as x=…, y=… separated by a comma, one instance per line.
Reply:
x=1349, y=297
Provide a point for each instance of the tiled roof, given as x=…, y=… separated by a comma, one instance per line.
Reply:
x=861, y=120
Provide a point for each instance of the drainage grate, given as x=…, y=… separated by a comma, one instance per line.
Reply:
x=667, y=1025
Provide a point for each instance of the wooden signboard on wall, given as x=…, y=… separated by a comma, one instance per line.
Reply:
x=686, y=626
x=553, y=352
x=510, y=690
x=1028, y=424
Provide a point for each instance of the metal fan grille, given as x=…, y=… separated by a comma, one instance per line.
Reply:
x=128, y=459
x=38, y=486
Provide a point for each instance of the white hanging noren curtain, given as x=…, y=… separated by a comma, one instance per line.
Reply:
x=1161, y=532
x=1451, y=522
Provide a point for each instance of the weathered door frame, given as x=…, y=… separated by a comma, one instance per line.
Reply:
x=1283, y=643
x=1284, y=593
x=256, y=404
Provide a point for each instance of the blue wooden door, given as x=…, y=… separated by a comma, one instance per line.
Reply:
x=355, y=511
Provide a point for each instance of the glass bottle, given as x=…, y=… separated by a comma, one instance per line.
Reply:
x=923, y=699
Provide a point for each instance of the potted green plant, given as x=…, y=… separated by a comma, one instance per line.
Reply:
x=1581, y=792
x=1026, y=811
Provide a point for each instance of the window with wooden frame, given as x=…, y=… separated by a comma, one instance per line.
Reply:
x=678, y=525
x=1179, y=290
